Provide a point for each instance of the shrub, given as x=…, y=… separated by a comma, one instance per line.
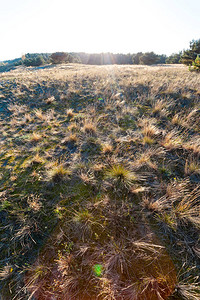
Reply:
x=174, y=58
x=196, y=64
x=148, y=58
x=34, y=61
x=120, y=174
x=60, y=57
x=58, y=173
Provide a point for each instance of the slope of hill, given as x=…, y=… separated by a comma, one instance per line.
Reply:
x=99, y=183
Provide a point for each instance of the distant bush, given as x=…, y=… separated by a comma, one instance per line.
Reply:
x=34, y=61
x=174, y=58
x=18, y=63
x=162, y=59
x=64, y=57
x=148, y=58
x=136, y=58
x=75, y=58
x=59, y=57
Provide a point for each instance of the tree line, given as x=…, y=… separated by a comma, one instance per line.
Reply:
x=38, y=59
x=188, y=57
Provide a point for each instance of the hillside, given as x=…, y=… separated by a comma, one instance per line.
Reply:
x=99, y=183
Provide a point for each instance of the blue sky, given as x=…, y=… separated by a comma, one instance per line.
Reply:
x=162, y=26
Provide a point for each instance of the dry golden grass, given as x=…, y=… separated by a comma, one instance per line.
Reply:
x=89, y=127
x=107, y=148
x=99, y=175
x=35, y=137
x=70, y=113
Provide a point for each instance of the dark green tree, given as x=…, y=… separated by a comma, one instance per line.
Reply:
x=136, y=58
x=39, y=61
x=148, y=58
x=196, y=64
x=34, y=61
x=59, y=57
x=174, y=58
x=190, y=55
x=161, y=59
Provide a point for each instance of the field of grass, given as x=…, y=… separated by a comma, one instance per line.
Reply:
x=99, y=183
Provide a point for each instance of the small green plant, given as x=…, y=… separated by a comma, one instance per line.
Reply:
x=97, y=269
x=58, y=173
x=195, y=64
x=5, y=205
x=147, y=140
x=120, y=174
x=83, y=216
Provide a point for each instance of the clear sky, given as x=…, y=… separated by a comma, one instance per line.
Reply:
x=119, y=26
